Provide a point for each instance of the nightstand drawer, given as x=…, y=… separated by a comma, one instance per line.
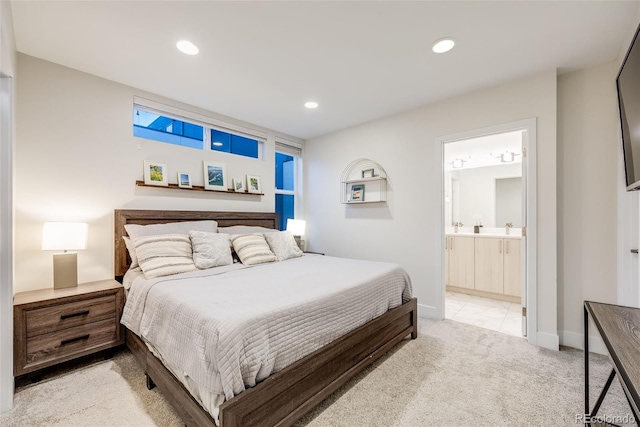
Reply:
x=57, y=317
x=71, y=341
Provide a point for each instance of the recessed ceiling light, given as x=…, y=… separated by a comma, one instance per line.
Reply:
x=444, y=45
x=311, y=105
x=185, y=46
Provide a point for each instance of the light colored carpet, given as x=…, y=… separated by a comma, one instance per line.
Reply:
x=453, y=375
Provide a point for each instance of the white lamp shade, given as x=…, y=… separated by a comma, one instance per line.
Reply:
x=296, y=226
x=64, y=236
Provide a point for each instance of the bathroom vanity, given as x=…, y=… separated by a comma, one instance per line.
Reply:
x=484, y=264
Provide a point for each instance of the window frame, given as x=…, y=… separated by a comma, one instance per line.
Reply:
x=294, y=150
x=207, y=123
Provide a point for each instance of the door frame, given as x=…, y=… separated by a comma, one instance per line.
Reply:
x=529, y=175
x=6, y=244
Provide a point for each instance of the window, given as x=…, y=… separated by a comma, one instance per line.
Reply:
x=287, y=164
x=234, y=144
x=166, y=129
x=192, y=130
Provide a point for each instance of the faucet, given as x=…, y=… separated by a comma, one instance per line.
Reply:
x=456, y=225
x=508, y=227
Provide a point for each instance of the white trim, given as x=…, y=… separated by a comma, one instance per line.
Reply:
x=530, y=169
x=427, y=311
x=575, y=340
x=6, y=245
x=550, y=341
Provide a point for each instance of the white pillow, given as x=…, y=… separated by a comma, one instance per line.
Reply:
x=135, y=230
x=132, y=251
x=245, y=229
x=163, y=255
x=252, y=248
x=210, y=249
x=283, y=245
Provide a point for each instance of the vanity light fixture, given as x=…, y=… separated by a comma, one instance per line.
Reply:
x=443, y=45
x=311, y=105
x=507, y=157
x=186, y=47
x=457, y=163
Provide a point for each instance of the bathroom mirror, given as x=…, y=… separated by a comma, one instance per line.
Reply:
x=491, y=195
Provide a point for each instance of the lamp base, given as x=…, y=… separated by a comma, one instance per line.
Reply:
x=299, y=242
x=65, y=270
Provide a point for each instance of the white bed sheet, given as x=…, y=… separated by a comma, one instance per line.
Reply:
x=225, y=329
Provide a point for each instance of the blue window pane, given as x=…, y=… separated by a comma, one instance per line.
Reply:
x=234, y=144
x=284, y=208
x=284, y=172
x=165, y=129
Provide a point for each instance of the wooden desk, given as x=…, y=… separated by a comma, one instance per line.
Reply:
x=619, y=327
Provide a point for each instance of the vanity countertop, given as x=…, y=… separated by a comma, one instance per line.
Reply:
x=496, y=235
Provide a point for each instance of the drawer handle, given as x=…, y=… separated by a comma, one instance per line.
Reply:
x=72, y=340
x=68, y=316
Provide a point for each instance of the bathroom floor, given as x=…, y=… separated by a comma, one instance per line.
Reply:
x=501, y=316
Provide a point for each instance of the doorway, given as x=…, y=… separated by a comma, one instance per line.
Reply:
x=488, y=195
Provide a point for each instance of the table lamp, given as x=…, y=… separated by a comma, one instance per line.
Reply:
x=64, y=236
x=296, y=227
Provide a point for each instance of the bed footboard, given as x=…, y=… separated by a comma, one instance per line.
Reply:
x=285, y=397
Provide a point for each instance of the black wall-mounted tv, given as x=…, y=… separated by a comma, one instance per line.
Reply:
x=628, y=83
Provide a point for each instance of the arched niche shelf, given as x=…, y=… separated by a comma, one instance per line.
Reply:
x=363, y=181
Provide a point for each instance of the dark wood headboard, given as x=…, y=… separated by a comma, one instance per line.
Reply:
x=144, y=217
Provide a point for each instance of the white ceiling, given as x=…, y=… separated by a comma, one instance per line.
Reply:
x=260, y=61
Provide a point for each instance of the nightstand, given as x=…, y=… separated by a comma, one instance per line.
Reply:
x=51, y=326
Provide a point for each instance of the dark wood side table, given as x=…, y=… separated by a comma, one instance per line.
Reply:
x=55, y=325
x=619, y=328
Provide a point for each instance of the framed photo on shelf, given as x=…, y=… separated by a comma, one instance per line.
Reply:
x=368, y=173
x=215, y=176
x=184, y=180
x=156, y=173
x=238, y=185
x=357, y=193
x=253, y=184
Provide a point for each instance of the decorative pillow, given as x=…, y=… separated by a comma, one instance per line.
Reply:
x=245, y=229
x=132, y=251
x=134, y=230
x=210, y=249
x=283, y=245
x=252, y=248
x=163, y=255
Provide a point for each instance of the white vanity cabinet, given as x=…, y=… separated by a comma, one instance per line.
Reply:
x=459, y=265
x=484, y=265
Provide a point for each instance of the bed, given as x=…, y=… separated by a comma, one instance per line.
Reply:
x=283, y=397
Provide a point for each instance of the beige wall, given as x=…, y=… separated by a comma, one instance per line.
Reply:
x=588, y=148
x=77, y=160
x=406, y=230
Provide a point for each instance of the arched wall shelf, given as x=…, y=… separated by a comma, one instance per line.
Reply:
x=363, y=181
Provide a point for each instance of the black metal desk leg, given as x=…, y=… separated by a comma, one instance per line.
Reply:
x=586, y=364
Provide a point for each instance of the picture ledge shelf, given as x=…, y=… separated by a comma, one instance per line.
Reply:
x=196, y=188
x=363, y=181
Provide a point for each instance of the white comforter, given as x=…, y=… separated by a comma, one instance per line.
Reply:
x=228, y=328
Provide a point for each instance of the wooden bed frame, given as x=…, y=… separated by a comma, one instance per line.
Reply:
x=286, y=396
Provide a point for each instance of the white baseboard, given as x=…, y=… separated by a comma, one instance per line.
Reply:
x=428, y=312
x=550, y=341
x=575, y=340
